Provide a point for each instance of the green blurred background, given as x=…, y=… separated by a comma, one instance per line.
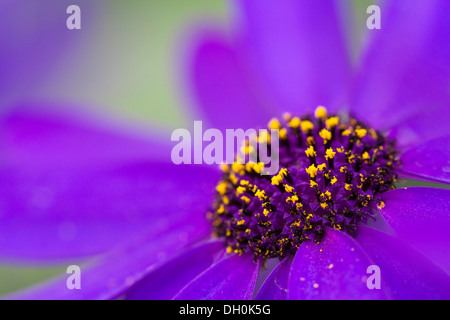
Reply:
x=136, y=47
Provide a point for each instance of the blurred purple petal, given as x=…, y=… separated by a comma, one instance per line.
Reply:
x=166, y=281
x=298, y=50
x=429, y=161
x=276, y=285
x=406, y=77
x=34, y=38
x=232, y=278
x=223, y=87
x=407, y=273
x=112, y=275
x=333, y=269
x=422, y=125
x=68, y=213
x=421, y=217
x=43, y=137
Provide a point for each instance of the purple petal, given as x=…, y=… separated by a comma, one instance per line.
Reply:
x=422, y=125
x=34, y=39
x=408, y=274
x=421, y=217
x=429, y=161
x=298, y=50
x=112, y=275
x=404, y=79
x=222, y=86
x=167, y=280
x=43, y=137
x=276, y=284
x=66, y=213
x=333, y=269
x=232, y=278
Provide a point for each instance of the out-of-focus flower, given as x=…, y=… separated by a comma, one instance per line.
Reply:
x=285, y=57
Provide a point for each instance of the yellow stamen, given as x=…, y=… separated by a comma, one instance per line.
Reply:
x=276, y=180
x=240, y=190
x=330, y=154
x=225, y=168
x=274, y=124
x=238, y=168
x=346, y=132
x=295, y=122
x=333, y=181
x=244, y=182
x=312, y=171
x=332, y=122
x=310, y=152
x=325, y=134
x=361, y=132
x=321, y=112
x=287, y=116
x=310, y=141
x=306, y=126
x=261, y=194
x=222, y=188
x=283, y=172
x=264, y=137
x=288, y=188
x=225, y=200
x=247, y=149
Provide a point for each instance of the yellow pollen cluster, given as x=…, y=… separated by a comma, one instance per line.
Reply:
x=306, y=126
x=321, y=112
x=295, y=122
x=238, y=168
x=312, y=171
x=261, y=194
x=292, y=199
x=325, y=135
x=329, y=154
x=361, y=132
x=288, y=188
x=274, y=124
x=332, y=122
x=310, y=152
x=279, y=177
x=347, y=132
x=264, y=137
x=222, y=188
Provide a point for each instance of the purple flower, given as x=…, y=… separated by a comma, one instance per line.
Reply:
x=69, y=190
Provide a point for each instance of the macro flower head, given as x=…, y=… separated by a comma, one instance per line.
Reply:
x=362, y=185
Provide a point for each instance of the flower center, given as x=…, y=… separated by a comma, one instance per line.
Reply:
x=333, y=170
